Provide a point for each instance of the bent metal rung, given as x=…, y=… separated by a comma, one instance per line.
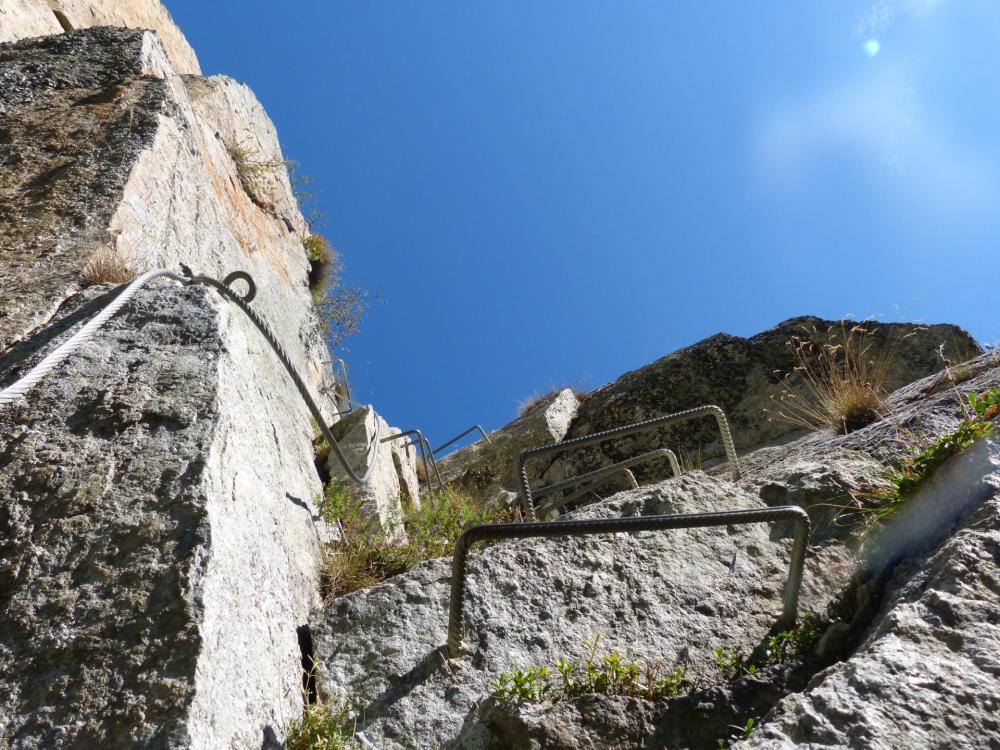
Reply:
x=615, y=432
x=423, y=444
x=604, y=471
x=502, y=531
x=462, y=435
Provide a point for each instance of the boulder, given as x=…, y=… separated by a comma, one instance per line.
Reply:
x=361, y=436
x=664, y=597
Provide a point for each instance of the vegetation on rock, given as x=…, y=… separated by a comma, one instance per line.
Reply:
x=364, y=557
x=321, y=727
x=843, y=378
x=107, y=266
x=605, y=675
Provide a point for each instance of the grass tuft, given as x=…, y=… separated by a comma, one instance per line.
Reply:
x=607, y=675
x=107, y=266
x=535, y=400
x=320, y=728
x=843, y=378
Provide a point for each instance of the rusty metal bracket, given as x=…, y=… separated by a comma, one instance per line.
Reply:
x=604, y=471
x=629, y=429
x=459, y=437
x=502, y=531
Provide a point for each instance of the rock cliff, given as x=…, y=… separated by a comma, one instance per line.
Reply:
x=168, y=510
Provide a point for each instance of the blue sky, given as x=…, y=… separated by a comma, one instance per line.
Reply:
x=555, y=192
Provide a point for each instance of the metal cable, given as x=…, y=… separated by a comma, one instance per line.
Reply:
x=501, y=531
x=628, y=429
x=57, y=356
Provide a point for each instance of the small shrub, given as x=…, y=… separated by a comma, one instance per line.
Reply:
x=320, y=728
x=107, y=266
x=915, y=470
x=843, y=379
x=250, y=170
x=606, y=675
x=365, y=557
x=323, y=260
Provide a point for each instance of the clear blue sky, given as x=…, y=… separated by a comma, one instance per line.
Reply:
x=554, y=192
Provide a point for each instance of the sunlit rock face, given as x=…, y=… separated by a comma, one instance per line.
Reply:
x=158, y=545
x=742, y=376
x=21, y=19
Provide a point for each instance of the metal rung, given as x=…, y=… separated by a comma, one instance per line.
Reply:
x=630, y=429
x=421, y=442
x=501, y=531
x=459, y=437
x=603, y=472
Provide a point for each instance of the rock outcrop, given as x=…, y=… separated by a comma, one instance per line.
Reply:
x=489, y=468
x=21, y=19
x=740, y=375
x=158, y=552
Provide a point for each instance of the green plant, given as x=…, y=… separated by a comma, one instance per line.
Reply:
x=787, y=644
x=914, y=471
x=729, y=661
x=609, y=674
x=323, y=261
x=364, y=556
x=986, y=404
x=321, y=727
x=742, y=732
x=251, y=170
x=842, y=376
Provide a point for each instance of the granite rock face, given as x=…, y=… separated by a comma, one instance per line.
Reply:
x=667, y=597
x=20, y=19
x=740, y=375
x=159, y=550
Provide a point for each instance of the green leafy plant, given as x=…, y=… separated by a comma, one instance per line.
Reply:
x=741, y=733
x=251, y=169
x=986, y=405
x=608, y=674
x=914, y=471
x=321, y=727
x=729, y=660
x=324, y=261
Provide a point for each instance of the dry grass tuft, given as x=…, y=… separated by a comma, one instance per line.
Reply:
x=842, y=375
x=107, y=266
x=252, y=171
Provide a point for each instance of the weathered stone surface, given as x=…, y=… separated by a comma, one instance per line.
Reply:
x=486, y=468
x=738, y=374
x=147, y=598
x=21, y=19
x=107, y=149
x=666, y=597
x=360, y=436
x=928, y=672
x=158, y=545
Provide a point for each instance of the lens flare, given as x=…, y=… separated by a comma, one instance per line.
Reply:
x=872, y=47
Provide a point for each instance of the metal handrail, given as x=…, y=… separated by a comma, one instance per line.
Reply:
x=501, y=531
x=602, y=472
x=459, y=437
x=347, y=383
x=629, y=429
x=420, y=442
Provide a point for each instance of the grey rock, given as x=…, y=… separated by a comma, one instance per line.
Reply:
x=147, y=600
x=30, y=18
x=393, y=470
x=927, y=674
x=487, y=468
x=667, y=597
x=740, y=375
